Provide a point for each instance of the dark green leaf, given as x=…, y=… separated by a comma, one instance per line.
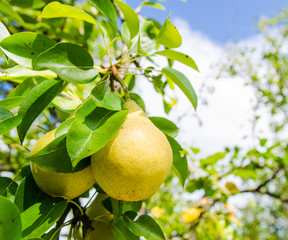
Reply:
x=7, y=185
x=180, y=165
x=10, y=227
x=24, y=47
x=183, y=83
x=37, y=219
x=88, y=137
x=71, y=62
x=121, y=232
x=165, y=125
x=28, y=193
x=54, y=156
x=104, y=97
x=169, y=35
x=37, y=100
x=144, y=226
x=57, y=10
x=34, y=4
x=130, y=18
x=180, y=57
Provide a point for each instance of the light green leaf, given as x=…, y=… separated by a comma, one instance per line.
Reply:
x=11, y=102
x=152, y=4
x=88, y=137
x=24, y=47
x=10, y=227
x=145, y=226
x=7, y=9
x=65, y=104
x=180, y=165
x=37, y=219
x=20, y=73
x=57, y=10
x=178, y=56
x=3, y=31
x=5, y=113
x=130, y=18
x=165, y=125
x=104, y=97
x=71, y=62
x=245, y=173
x=37, y=100
x=64, y=127
x=182, y=82
x=107, y=9
x=211, y=160
x=9, y=123
x=169, y=35
x=24, y=88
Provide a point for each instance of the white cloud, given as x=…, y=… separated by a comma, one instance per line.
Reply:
x=226, y=118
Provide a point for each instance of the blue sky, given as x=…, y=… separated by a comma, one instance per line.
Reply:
x=219, y=20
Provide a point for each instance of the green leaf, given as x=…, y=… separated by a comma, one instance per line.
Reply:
x=169, y=35
x=64, y=127
x=180, y=165
x=107, y=9
x=85, y=109
x=165, y=125
x=57, y=10
x=54, y=156
x=3, y=31
x=65, y=104
x=263, y=141
x=24, y=88
x=37, y=219
x=121, y=232
x=24, y=47
x=130, y=18
x=34, y=4
x=182, y=82
x=7, y=185
x=5, y=113
x=20, y=73
x=37, y=100
x=71, y=62
x=180, y=57
x=145, y=226
x=152, y=4
x=104, y=97
x=28, y=193
x=7, y=9
x=135, y=97
x=9, y=123
x=10, y=227
x=245, y=173
x=11, y=102
x=211, y=160
x=88, y=137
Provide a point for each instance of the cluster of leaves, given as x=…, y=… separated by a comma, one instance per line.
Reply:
x=70, y=66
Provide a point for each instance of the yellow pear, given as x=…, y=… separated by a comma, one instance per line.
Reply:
x=133, y=165
x=56, y=184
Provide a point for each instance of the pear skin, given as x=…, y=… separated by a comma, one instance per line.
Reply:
x=133, y=165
